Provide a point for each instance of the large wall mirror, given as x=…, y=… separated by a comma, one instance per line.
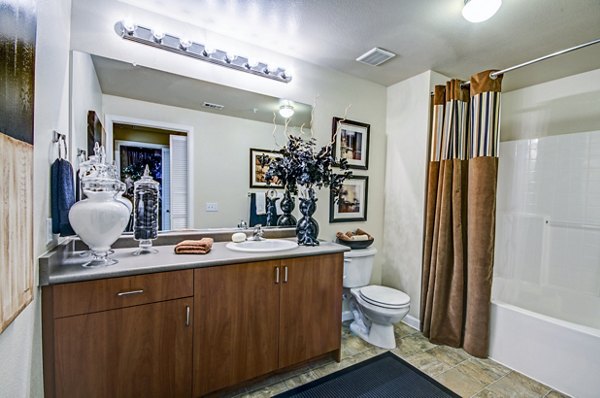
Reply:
x=196, y=137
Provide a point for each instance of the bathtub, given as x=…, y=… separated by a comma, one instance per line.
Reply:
x=560, y=354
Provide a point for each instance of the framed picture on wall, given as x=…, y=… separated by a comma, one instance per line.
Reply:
x=351, y=142
x=352, y=203
x=258, y=172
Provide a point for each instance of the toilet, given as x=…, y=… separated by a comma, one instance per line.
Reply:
x=375, y=309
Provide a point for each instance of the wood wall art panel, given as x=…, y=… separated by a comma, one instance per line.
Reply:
x=16, y=228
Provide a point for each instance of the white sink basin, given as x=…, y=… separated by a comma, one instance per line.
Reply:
x=262, y=246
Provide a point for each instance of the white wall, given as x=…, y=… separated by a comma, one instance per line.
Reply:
x=20, y=343
x=86, y=95
x=562, y=106
x=93, y=32
x=406, y=176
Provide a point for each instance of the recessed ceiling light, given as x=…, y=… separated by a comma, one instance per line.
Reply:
x=480, y=10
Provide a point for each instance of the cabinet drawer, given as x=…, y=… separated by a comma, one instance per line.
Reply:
x=106, y=294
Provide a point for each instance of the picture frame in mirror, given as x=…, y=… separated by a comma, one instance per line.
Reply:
x=258, y=171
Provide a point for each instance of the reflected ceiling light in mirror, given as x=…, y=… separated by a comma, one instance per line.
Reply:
x=157, y=38
x=480, y=10
x=286, y=109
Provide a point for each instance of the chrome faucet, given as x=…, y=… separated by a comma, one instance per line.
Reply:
x=243, y=224
x=258, y=232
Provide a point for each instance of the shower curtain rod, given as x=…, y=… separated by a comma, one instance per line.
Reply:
x=494, y=75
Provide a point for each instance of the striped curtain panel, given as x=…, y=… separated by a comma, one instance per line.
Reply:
x=460, y=214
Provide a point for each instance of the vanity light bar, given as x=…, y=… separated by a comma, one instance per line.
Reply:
x=183, y=46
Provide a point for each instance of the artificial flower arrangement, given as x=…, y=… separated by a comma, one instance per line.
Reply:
x=302, y=168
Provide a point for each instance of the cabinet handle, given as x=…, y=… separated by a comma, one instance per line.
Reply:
x=276, y=275
x=187, y=315
x=130, y=293
x=285, y=274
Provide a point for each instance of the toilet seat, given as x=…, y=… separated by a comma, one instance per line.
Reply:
x=384, y=297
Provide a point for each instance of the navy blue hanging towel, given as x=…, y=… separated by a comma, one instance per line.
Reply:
x=62, y=196
x=268, y=219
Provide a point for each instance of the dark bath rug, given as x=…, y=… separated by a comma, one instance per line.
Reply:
x=383, y=376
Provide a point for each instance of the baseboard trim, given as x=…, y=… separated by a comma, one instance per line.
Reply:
x=412, y=322
x=347, y=316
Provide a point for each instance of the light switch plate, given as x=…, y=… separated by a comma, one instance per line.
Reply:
x=212, y=207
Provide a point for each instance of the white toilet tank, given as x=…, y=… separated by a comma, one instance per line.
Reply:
x=358, y=266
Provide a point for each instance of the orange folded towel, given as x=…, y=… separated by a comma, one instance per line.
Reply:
x=201, y=246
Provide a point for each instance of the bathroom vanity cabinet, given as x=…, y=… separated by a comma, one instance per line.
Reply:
x=121, y=337
x=253, y=319
x=190, y=332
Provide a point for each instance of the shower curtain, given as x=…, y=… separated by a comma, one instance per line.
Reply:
x=460, y=214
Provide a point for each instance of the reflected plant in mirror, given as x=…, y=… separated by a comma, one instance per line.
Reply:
x=302, y=168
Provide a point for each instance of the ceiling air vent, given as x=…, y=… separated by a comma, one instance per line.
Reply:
x=216, y=107
x=376, y=56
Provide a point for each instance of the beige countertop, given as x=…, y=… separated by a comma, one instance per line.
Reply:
x=64, y=264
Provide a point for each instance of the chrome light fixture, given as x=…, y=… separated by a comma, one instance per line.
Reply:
x=480, y=10
x=183, y=46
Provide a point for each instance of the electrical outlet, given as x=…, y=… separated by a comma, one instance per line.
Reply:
x=212, y=207
x=49, y=234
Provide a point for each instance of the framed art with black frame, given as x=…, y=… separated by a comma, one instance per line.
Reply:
x=352, y=203
x=351, y=142
x=257, y=171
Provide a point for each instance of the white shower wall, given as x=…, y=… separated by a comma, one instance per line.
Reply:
x=548, y=227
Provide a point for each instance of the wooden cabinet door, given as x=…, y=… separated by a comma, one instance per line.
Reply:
x=142, y=351
x=311, y=307
x=237, y=324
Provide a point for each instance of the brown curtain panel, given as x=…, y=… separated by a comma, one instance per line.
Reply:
x=460, y=214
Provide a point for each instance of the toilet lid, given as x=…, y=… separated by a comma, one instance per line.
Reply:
x=384, y=296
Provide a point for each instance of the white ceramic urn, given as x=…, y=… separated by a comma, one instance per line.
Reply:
x=99, y=220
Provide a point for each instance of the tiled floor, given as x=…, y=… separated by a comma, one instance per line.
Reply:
x=466, y=375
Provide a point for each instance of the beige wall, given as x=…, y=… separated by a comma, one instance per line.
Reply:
x=407, y=148
x=20, y=343
x=122, y=133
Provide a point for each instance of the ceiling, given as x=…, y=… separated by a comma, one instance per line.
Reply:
x=426, y=34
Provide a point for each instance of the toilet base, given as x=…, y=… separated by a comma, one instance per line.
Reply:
x=381, y=336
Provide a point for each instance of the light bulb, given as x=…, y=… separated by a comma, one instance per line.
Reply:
x=286, y=111
x=208, y=51
x=158, y=35
x=129, y=26
x=252, y=63
x=229, y=57
x=480, y=10
x=285, y=74
x=185, y=43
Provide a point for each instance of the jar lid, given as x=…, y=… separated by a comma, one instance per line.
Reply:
x=146, y=179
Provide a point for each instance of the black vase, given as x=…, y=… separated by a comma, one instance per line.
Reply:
x=271, y=211
x=307, y=229
x=287, y=205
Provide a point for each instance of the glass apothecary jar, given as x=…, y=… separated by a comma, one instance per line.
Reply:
x=146, y=196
